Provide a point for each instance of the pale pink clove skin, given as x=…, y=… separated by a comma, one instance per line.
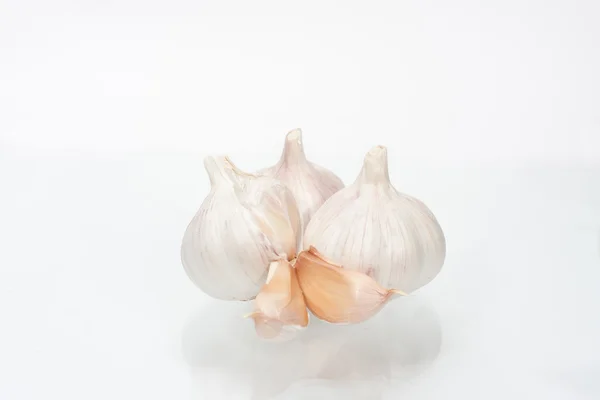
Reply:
x=279, y=306
x=337, y=295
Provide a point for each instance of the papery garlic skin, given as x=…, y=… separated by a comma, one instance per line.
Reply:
x=339, y=295
x=372, y=228
x=243, y=224
x=310, y=184
x=280, y=310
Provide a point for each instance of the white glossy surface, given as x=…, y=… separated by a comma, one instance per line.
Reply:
x=489, y=111
x=95, y=303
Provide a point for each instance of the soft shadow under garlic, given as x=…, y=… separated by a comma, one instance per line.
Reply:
x=355, y=361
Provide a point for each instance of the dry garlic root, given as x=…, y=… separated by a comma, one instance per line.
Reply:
x=365, y=244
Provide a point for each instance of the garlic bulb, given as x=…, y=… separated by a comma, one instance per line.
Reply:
x=339, y=295
x=372, y=228
x=279, y=307
x=244, y=224
x=310, y=184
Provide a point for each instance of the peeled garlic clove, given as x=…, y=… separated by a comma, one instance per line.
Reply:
x=310, y=184
x=372, y=228
x=280, y=309
x=244, y=223
x=337, y=295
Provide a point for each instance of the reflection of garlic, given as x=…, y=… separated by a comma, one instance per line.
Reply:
x=372, y=228
x=243, y=224
x=279, y=306
x=338, y=295
x=311, y=184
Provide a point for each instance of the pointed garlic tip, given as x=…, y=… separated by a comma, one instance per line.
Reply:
x=215, y=167
x=279, y=306
x=375, y=166
x=398, y=292
x=293, y=149
x=337, y=295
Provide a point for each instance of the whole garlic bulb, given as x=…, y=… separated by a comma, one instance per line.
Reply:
x=244, y=224
x=372, y=228
x=310, y=184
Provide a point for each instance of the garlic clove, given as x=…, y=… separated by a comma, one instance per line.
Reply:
x=280, y=309
x=310, y=184
x=243, y=224
x=337, y=295
x=273, y=206
x=372, y=228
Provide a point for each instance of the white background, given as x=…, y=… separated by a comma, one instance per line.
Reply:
x=490, y=112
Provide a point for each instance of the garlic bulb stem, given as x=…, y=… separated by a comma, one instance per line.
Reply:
x=216, y=170
x=375, y=167
x=293, y=149
x=310, y=183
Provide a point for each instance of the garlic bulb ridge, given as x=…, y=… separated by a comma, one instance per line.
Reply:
x=244, y=224
x=310, y=184
x=372, y=228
